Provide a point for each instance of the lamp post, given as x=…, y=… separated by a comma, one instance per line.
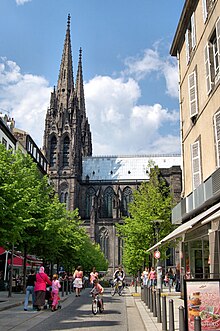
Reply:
x=156, y=226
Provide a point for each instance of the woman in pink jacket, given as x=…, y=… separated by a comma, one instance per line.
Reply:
x=40, y=288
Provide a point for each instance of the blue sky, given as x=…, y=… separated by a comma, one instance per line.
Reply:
x=130, y=80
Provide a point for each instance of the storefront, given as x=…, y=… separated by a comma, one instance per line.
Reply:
x=197, y=243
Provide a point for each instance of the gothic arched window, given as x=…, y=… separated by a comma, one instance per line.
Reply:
x=66, y=151
x=127, y=198
x=89, y=196
x=64, y=198
x=108, y=202
x=104, y=241
x=53, y=151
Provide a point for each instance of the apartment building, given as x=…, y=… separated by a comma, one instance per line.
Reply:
x=16, y=139
x=196, y=45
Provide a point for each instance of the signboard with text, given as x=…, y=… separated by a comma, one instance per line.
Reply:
x=202, y=298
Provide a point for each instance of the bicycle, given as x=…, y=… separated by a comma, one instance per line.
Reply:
x=97, y=304
x=117, y=288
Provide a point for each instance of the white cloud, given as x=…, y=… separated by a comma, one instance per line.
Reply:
x=22, y=2
x=119, y=124
x=151, y=62
x=26, y=97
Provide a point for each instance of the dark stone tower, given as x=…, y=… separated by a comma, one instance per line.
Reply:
x=67, y=136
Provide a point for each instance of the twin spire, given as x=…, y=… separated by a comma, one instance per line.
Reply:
x=65, y=85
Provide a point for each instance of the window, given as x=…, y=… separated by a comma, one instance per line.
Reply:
x=196, y=164
x=4, y=142
x=212, y=58
x=108, y=202
x=53, y=151
x=64, y=198
x=89, y=198
x=104, y=241
x=193, y=100
x=207, y=5
x=66, y=151
x=190, y=38
x=127, y=198
x=217, y=136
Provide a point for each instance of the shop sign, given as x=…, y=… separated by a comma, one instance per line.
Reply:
x=157, y=254
x=202, y=298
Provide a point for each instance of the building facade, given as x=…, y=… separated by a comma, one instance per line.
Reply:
x=197, y=47
x=100, y=187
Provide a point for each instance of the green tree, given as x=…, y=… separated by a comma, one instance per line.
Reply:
x=151, y=206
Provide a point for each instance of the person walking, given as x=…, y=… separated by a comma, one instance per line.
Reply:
x=40, y=288
x=78, y=277
x=153, y=277
x=144, y=276
x=55, y=292
x=93, y=275
x=30, y=289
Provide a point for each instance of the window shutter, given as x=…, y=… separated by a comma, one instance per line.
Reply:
x=187, y=46
x=193, y=104
x=217, y=136
x=218, y=37
x=208, y=69
x=196, y=166
x=204, y=10
x=193, y=31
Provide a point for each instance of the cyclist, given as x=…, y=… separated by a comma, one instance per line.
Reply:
x=97, y=290
x=119, y=275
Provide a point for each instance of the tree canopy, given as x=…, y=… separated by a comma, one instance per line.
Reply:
x=149, y=220
x=33, y=219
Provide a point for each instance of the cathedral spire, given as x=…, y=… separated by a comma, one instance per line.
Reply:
x=79, y=84
x=65, y=81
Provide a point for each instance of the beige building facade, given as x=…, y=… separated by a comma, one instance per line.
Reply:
x=196, y=46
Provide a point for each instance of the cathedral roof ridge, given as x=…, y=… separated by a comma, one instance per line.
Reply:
x=135, y=155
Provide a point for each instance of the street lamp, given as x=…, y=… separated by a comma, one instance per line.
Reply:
x=156, y=227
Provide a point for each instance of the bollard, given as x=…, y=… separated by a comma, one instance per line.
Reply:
x=171, y=316
x=62, y=288
x=154, y=303
x=148, y=297
x=158, y=306
x=144, y=295
x=66, y=287
x=151, y=300
x=181, y=318
x=197, y=323
x=164, y=314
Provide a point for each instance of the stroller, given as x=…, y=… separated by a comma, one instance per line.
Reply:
x=49, y=299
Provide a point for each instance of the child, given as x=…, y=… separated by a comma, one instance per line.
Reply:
x=55, y=292
x=166, y=279
x=97, y=290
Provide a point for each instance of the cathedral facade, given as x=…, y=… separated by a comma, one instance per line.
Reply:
x=100, y=187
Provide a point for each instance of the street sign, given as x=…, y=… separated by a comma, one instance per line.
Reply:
x=157, y=254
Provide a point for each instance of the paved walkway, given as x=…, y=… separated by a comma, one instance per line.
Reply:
x=149, y=321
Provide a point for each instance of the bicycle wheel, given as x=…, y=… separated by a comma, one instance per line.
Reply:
x=120, y=289
x=95, y=306
x=113, y=291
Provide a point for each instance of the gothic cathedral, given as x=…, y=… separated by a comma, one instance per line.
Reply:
x=101, y=186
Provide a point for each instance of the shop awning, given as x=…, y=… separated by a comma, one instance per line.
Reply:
x=2, y=250
x=18, y=262
x=183, y=228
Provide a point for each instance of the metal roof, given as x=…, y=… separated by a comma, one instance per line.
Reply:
x=114, y=168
